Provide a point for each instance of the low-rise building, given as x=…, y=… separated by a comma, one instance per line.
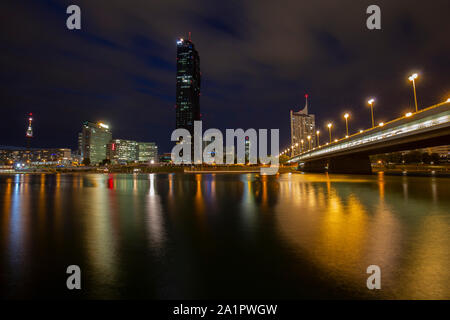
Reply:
x=35, y=156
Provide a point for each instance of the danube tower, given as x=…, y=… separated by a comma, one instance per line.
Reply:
x=188, y=85
x=29, y=133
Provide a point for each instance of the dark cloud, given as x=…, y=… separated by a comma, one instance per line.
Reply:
x=258, y=58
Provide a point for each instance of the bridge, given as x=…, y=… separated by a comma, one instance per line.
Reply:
x=426, y=128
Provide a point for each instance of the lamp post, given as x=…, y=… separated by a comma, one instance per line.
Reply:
x=370, y=102
x=318, y=138
x=296, y=146
x=309, y=140
x=329, y=129
x=346, y=123
x=413, y=79
x=301, y=141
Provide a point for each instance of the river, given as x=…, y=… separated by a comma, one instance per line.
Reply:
x=197, y=236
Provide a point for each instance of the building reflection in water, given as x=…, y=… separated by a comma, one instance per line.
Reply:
x=155, y=220
x=359, y=223
x=339, y=224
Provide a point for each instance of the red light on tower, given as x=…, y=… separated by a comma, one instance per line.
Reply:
x=306, y=96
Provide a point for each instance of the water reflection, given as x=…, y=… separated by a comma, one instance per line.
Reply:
x=175, y=235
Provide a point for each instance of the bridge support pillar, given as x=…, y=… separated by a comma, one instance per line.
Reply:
x=350, y=164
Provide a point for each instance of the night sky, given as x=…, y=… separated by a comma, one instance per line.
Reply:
x=258, y=59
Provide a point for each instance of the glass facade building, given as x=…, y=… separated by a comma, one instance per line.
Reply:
x=122, y=151
x=127, y=151
x=147, y=152
x=93, y=141
x=188, y=85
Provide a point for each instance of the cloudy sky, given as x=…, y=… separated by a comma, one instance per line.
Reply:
x=258, y=59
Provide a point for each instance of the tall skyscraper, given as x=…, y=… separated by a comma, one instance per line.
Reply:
x=92, y=142
x=302, y=126
x=188, y=85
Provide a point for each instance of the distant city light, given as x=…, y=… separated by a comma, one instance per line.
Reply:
x=413, y=77
x=381, y=124
x=103, y=125
x=361, y=131
x=409, y=114
x=180, y=41
x=371, y=101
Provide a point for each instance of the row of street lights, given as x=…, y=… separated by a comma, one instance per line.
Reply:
x=371, y=102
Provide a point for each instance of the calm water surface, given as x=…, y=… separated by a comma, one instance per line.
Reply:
x=176, y=236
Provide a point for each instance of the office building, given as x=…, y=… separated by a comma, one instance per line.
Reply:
x=121, y=151
x=34, y=156
x=188, y=85
x=147, y=152
x=302, y=125
x=93, y=141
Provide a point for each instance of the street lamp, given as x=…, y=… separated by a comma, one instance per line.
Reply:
x=318, y=138
x=301, y=141
x=329, y=129
x=370, y=102
x=413, y=79
x=309, y=140
x=346, y=123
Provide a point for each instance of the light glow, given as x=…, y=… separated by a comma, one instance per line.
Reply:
x=413, y=77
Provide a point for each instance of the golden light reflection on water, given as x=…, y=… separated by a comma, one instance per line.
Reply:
x=155, y=220
x=340, y=224
x=100, y=243
x=344, y=231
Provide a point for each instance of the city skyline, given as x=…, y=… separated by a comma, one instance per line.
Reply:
x=249, y=80
x=190, y=154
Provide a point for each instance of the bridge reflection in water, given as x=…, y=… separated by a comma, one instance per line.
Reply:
x=427, y=128
x=224, y=235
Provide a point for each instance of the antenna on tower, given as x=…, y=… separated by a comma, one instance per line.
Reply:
x=305, y=109
x=189, y=36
